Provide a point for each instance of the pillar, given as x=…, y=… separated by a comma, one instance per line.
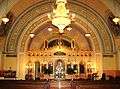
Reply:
x=118, y=62
x=0, y=60
x=21, y=65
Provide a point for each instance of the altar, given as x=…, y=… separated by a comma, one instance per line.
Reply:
x=61, y=65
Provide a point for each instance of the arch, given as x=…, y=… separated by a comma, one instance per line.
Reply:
x=25, y=24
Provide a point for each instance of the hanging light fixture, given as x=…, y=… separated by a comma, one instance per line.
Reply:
x=32, y=35
x=87, y=34
x=116, y=19
x=60, y=16
x=50, y=29
x=5, y=19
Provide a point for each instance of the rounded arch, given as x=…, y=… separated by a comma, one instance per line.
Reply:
x=25, y=24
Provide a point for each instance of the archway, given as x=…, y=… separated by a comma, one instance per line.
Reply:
x=101, y=38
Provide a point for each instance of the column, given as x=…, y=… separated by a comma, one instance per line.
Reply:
x=21, y=65
x=78, y=68
x=54, y=67
x=118, y=62
x=73, y=44
x=1, y=60
x=45, y=44
x=65, y=67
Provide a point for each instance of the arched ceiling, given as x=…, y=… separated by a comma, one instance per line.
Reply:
x=30, y=16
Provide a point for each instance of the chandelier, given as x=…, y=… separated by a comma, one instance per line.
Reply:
x=60, y=16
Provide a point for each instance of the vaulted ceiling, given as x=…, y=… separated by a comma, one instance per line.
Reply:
x=30, y=16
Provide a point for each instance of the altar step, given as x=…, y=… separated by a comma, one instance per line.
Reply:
x=60, y=84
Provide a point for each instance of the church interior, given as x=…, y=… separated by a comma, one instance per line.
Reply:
x=59, y=40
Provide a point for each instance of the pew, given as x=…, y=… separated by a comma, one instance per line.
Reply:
x=23, y=84
x=95, y=84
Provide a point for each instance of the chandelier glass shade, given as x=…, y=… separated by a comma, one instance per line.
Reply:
x=60, y=16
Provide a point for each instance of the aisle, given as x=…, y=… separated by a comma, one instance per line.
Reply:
x=60, y=84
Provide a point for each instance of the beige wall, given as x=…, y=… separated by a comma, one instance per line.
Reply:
x=10, y=62
x=118, y=59
x=21, y=65
x=118, y=62
x=109, y=65
x=0, y=60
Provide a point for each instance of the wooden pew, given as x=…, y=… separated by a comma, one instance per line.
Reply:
x=22, y=84
x=95, y=84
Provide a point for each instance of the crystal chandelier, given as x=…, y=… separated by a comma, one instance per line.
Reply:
x=60, y=16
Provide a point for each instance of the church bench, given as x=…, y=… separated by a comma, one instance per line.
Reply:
x=95, y=84
x=22, y=84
